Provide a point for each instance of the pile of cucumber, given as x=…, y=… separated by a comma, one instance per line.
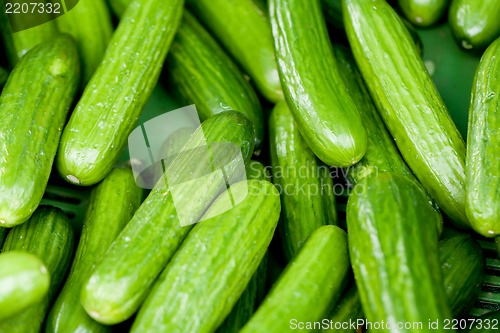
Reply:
x=359, y=207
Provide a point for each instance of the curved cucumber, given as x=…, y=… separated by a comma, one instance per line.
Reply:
x=89, y=22
x=24, y=281
x=228, y=248
x=423, y=13
x=409, y=102
x=33, y=108
x=393, y=246
x=482, y=163
x=475, y=24
x=200, y=73
x=310, y=284
x=112, y=204
x=122, y=280
x=106, y=113
x=249, y=40
x=296, y=173
x=48, y=234
x=325, y=113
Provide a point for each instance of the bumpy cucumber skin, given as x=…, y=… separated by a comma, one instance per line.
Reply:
x=200, y=73
x=33, y=108
x=310, y=284
x=423, y=13
x=24, y=281
x=228, y=249
x=105, y=115
x=296, y=173
x=409, y=102
x=462, y=265
x=48, y=234
x=483, y=150
x=348, y=310
x=325, y=114
x=111, y=205
x=89, y=22
x=249, y=39
x=136, y=257
x=393, y=246
x=475, y=24
x=381, y=153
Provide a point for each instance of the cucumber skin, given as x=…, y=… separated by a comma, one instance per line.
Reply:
x=482, y=163
x=200, y=73
x=426, y=137
x=228, y=248
x=106, y=113
x=346, y=311
x=24, y=281
x=310, y=284
x=48, y=234
x=34, y=105
x=302, y=211
x=474, y=24
x=462, y=265
x=325, y=114
x=257, y=170
x=89, y=23
x=114, y=291
x=119, y=6
x=423, y=13
x=250, y=39
x=111, y=205
x=403, y=288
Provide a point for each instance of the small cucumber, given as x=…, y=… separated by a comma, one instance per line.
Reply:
x=200, y=73
x=48, y=234
x=98, y=128
x=325, y=113
x=474, y=24
x=122, y=280
x=462, y=265
x=393, y=245
x=89, y=23
x=297, y=174
x=423, y=13
x=310, y=284
x=228, y=249
x=409, y=102
x=24, y=281
x=249, y=40
x=483, y=150
x=347, y=313
x=111, y=205
x=33, y=108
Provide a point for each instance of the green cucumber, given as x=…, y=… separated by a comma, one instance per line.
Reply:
x=409, y=102
x=89, y=22
x=326, y=115
x=249, y=40
x=24, y=281
x=248, y=302
x=48, y=234
x=393, y=245
x=297, y=174
x=122, y=280
x=310, y=284
x=257, y=170
x=423, y=13
x=462, y=265
x=200, y=73
x=111, y=205
x=381, y=153
x=98, y=128
x=482, y=162
x=4, y=75
x=119, y=6
x=347, y=314
x=33, y=108
x=474, y=24
x=228, y=249
x=17, y=44
x=486, y=323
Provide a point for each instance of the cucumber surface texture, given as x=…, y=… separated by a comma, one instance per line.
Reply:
x=423, y=13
